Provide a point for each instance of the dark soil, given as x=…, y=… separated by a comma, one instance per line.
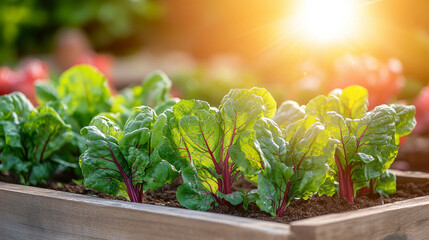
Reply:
x=299, y=209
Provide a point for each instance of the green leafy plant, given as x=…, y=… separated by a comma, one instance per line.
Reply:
x=202, y=136
x=153, y=92
x=126, y=161
x=289, y=112
x=290, y=163
x=368, y=140
x=82, y=91
x=29, y=137
x=85, y=93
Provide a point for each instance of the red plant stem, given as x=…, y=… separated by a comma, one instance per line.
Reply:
x=225, y=184
x=227, y=176
x=282, y=208
x=371, y=186
x=132, y=194
x=345, y=181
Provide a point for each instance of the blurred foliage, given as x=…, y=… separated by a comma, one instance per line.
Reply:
x=29, y=26
x=211, y=84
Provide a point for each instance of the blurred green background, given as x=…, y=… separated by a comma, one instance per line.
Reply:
x=208, y=47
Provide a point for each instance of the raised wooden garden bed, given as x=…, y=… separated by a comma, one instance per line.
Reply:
x=35, y=213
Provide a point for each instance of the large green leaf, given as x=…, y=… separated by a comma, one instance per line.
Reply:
x=15, y=107
x=29, y=137
x=155, y=89
x=288, y=112
x=85, y=92
x=204, y=139
x=126, y=162
x=386, y=184
x=46, y=92
x=354, y=102
x=295, y=161
x=368, y=140
x=153, y=92
x=405, y=120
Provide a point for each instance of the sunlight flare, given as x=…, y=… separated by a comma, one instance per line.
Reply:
x=326, y=20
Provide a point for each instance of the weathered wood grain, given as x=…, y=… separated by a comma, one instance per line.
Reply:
x=410, y=176
x=404, y=220
x=35, y=213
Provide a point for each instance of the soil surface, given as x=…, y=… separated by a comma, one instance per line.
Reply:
x=298, y=209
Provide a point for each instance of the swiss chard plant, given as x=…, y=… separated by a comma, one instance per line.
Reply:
x=202, y=136
x=126, y=161
x=84, y=93
x=80, y=94
x=368, y=140
x=29, y=137
x=291, y=163
x=289, y=112
x=153, y=92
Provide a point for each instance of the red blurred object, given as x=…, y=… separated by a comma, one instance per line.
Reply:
x=72, y=47
x=23, y=79
x=383, y=81
x=422, y=111
x=7, y=80
x=402, y=140
x=34, y=70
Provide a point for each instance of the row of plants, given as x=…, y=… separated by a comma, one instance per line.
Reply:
x=36, y=142
x=142, y=139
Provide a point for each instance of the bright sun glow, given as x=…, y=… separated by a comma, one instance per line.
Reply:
x=326, y=20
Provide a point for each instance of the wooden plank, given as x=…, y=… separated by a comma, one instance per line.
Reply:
x=396, y=221
x=35, y=213
x=402, y=220
x=410, y=176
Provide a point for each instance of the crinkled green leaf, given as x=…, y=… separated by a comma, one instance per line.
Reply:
x=15, y=107
x=320, y=106
x=250, y=197
x=154, y=92
x=288, y=112
x=126, y=161
x=386, y=184
x=405, y=120
x=270, y=105
x=155, y=89
x=245, y=154
x=234, y=198
x=310, y=155
x=85, y=92
x=191, y=194
x=168, y=104
x=368, y=140
x=29, y=137
x=41, y=172
x=295, y=161
x=205, y=138
x=46, y=92
x=47, y=130
x=10, y=132
x=354, y=102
